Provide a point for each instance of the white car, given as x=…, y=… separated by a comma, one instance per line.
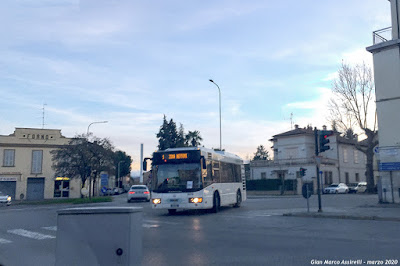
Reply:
x=138, y=192
x=6, y=199
x=336, y=188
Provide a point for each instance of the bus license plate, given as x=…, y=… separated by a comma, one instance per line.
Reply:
x=174, y=205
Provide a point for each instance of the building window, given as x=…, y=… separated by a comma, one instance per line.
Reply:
x=263, y=175
x=37, y=160
x=356, y=160
x=328, y=177
x=357, y=177
x=61, y=187
x=345, y=156
x=9, y=158
x=347, y=177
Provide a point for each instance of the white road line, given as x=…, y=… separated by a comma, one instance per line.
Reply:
x=30, y=234
x=50, y=228
x=4, y=241
x=162, y=222
x=150, y=225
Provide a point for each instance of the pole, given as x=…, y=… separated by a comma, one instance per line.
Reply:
x=98, y=122
x=308, y=204
x=141, y=163
x=317, y=167
x=117, y=183
x=220, y=127
x=391, y=185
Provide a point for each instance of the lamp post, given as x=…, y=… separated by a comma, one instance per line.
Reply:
x=220, y=134
x=119, y=172
x=98, y=122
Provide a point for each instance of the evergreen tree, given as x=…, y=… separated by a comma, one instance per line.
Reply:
x=261, y=153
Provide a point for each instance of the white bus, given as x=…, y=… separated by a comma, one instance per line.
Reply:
x=196, y=178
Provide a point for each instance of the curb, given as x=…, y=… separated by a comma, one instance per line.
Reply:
x=342, y=216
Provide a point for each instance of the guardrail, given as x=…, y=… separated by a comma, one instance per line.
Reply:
x=382, y=35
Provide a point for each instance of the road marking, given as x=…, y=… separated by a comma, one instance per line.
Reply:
x=4, y=241
x=150, y=225
x=162, y=222
x=30, y=234
x=50, y=228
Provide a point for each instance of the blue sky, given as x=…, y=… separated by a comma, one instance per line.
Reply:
x=131, y=62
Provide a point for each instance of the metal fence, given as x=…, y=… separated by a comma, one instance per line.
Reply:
x=382, y=35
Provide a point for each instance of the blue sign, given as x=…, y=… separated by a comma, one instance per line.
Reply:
x=104, y=190
x=395, y=166
x=104, y=179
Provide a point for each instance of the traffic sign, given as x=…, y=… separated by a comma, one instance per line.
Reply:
x=307, y=190
x=103, y=190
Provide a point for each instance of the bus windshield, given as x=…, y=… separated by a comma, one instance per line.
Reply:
x=183, y=177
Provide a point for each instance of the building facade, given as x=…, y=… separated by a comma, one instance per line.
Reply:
x=386, y=56
x=26, y=166
x=295, y=149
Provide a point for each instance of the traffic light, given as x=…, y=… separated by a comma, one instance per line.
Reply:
x=303, y=171
x=323, y=140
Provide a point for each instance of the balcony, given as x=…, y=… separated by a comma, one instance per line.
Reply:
x=382, y=35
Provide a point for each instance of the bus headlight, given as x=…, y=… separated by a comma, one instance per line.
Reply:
x=195, y=200
x=9, y=198
x=156, y=201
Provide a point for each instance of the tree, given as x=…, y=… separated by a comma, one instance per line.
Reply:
x=261, y=154
x=181, y=137
x=124, y=161
x=169, y=137
x=83, y=158
x=193, y=138
x=353, y=108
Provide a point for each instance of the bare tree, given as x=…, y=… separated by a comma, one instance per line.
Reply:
x=353, y=107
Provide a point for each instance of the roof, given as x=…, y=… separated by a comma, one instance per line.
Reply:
x=296, y=131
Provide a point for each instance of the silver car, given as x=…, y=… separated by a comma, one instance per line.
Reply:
x=137, y=192
x=5, y=199
x=336, y=188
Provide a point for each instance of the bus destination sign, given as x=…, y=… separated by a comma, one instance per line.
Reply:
x=176, y=157
x=173, y=156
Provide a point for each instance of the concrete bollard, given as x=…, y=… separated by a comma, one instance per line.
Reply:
x=99, y=236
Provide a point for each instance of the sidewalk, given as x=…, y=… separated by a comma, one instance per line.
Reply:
x=378, y=212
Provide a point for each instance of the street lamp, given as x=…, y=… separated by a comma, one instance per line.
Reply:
x=119, y=172
x=98, y=122
x=220, y=134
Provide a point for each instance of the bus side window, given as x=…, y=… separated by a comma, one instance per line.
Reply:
x=207, y=174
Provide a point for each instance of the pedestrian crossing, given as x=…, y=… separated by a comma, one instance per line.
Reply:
x=49, y=232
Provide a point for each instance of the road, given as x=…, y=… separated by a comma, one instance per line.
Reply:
x=254, y=234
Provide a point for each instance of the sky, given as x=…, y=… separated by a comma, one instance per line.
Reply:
x=131, y=62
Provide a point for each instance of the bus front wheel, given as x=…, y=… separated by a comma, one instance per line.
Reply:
x=216, y=203
x=238, y=199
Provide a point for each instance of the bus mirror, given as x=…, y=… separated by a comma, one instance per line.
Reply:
x=145, y=163
x=203, y=160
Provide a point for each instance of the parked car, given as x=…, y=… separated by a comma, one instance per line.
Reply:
x=118, y=190
x=352, y=187
x=336, y=188
x=359, y=187
x=138, y=192
x=5, y=199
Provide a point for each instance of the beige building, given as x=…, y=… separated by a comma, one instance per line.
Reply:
x=295, y=149
x=386, y=55
x=26, y=165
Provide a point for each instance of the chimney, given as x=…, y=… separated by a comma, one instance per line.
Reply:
x=296, y=126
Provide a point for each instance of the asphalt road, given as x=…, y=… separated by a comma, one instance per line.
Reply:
x=254, y=234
